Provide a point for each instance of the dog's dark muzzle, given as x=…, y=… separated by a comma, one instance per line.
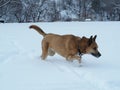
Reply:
x=96, y=54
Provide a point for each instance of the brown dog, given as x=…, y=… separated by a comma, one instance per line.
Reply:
x=68, y=46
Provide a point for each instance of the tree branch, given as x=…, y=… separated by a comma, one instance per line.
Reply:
x=5, y=3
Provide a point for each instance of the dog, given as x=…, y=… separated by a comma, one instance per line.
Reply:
x=68, y=46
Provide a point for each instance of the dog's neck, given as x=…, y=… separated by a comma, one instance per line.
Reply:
x=82, y=49
x=79, y=52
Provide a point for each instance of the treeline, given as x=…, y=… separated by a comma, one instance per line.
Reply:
x=59, y=10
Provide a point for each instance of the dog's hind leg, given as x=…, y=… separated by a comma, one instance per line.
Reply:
x=44, y=50
x=51, y=52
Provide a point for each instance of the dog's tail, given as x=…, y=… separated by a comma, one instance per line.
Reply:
x=38, y=29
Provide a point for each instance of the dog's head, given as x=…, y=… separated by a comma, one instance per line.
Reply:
x=89, y=46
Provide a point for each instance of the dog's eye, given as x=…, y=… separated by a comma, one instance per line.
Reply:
x=94, y=48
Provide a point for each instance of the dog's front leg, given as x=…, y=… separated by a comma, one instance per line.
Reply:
x=73, y=57
x=79, y=60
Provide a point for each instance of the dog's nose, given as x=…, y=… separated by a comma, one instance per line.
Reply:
x=99, y=54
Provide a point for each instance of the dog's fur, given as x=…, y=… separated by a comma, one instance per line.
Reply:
x=67, y=46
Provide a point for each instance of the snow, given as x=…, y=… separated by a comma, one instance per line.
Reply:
x=22, y=69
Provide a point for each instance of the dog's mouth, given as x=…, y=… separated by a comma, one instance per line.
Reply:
x=96, y=54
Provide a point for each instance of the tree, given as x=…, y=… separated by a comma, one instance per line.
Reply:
x=96, y=5
x=3, y=4
x=63, y=10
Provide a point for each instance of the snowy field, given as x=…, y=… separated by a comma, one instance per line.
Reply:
x=22, y=69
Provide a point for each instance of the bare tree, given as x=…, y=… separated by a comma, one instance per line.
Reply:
x=4, y=2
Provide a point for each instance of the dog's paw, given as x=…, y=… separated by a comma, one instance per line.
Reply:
x=80, y=65
x=79, y=60
x=68, y=58
x=43, y=58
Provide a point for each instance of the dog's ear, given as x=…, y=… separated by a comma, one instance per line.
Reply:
x=90, y=40
x=94, y=37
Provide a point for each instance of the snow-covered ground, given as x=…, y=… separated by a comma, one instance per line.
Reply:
x=22, y=69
